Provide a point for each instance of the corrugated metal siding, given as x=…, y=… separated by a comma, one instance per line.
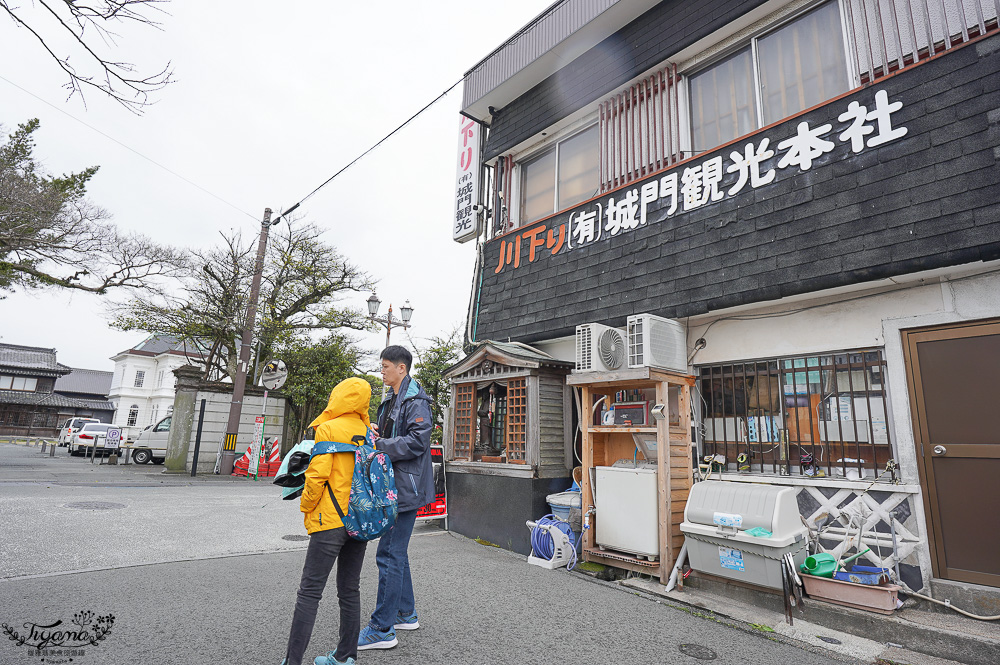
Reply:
x=548, y=30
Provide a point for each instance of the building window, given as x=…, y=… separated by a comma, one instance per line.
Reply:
x=159, y=379
x=517, y=420
x=794, y=67
x=562, y=176
x=153, y=414
x=464, y=429
x=133, y=415
x=140, y=376
x=20, y=383
x=820, y=415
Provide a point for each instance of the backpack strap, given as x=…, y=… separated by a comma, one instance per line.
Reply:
x=335, y=504
x=325, y=447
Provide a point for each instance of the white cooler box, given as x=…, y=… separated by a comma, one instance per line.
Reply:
x=716, y=519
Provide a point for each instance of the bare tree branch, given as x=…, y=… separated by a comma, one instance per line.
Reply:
x=76, y=21
x=303, y=281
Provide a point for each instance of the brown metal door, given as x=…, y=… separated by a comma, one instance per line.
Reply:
x=954, y=383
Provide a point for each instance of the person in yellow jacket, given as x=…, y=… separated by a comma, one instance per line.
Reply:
x=345, y=417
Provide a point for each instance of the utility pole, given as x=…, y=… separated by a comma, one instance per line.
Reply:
x=240, y=381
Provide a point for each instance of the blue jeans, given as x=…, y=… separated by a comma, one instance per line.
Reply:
x=395, y=589
x=325, y=549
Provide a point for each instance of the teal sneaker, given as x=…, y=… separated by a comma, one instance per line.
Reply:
x=328, y=659
x=408, y=622
x=369, y=638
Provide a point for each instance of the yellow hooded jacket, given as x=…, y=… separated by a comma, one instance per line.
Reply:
x=345, y=417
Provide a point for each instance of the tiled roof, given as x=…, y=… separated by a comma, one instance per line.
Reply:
x=52, y=399
x=30, y=358
x=515, y=353
x=87, y=381
x=157, y=344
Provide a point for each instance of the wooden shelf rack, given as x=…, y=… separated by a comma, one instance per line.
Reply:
x=603, y=445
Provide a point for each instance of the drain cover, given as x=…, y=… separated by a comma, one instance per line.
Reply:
x=697, y=651
x=95, y=505
x=295, y=537
x=829, y=640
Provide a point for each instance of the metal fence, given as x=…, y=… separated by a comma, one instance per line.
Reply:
x=816, y=415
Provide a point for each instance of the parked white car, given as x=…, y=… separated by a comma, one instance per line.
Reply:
x=91, y=435
x=72, y=426
x=151, y=444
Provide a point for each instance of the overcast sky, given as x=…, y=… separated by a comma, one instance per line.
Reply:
x=270, y=99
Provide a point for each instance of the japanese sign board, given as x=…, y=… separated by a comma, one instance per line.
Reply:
x=464, y=226
x=257, y=446
x=697, y=184
x=114, y=438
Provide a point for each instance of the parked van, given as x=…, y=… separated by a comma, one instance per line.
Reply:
x=71, y=427
x=151, y=444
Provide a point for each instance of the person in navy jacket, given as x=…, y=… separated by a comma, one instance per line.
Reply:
x=404, y=432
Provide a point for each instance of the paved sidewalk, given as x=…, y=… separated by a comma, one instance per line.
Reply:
x=477, y=604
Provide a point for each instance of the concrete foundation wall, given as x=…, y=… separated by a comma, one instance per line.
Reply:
x=495, y=508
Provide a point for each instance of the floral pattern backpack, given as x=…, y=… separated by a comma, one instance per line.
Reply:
x=373, y=504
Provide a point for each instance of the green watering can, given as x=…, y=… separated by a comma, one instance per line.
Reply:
x=824, y=564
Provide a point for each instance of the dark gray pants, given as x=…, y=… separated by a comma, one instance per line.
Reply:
x=325, y=547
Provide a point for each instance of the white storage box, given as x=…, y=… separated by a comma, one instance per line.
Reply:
x=716, y=519
x=627, y=515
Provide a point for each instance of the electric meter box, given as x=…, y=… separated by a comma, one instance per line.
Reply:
x=716, y=520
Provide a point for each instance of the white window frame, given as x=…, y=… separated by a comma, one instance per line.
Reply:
x=737, y=45
x=140, y=378
x=536, y=151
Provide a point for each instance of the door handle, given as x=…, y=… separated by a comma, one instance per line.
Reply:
x=940, y=450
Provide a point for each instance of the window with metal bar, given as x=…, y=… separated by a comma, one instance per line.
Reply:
x=817, y=415
x=889, y=35
x=639, y=129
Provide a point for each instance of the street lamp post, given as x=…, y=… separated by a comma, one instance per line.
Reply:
x=389, y=321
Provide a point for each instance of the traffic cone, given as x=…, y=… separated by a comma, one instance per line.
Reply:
x=242, y=466
x=275, y=457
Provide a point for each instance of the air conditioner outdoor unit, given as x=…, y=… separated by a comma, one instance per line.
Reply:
x=654, y=341
x=599, y=348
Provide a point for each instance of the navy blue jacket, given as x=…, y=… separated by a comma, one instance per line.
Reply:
x=408, y=443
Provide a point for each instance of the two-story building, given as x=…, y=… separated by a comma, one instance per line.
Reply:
x=32, y=402
x=812, y=190
x=142, y=387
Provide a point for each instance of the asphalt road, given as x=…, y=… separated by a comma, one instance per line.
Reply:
x=198, y=571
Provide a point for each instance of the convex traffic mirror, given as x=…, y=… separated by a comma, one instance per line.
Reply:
x=274, y=375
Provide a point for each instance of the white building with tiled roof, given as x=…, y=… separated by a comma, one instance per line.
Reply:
x=142, y=386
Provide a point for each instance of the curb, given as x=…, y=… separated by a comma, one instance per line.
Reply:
x=893, y=631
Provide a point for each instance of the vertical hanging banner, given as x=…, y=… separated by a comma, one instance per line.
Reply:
x=464, y=225
x=256, y=448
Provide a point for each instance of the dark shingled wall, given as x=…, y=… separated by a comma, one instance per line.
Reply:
x=644, y=43
x=928, y=200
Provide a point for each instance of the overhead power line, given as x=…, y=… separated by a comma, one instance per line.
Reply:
x=213, y=195
x=131, y=149
x=358, y=158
